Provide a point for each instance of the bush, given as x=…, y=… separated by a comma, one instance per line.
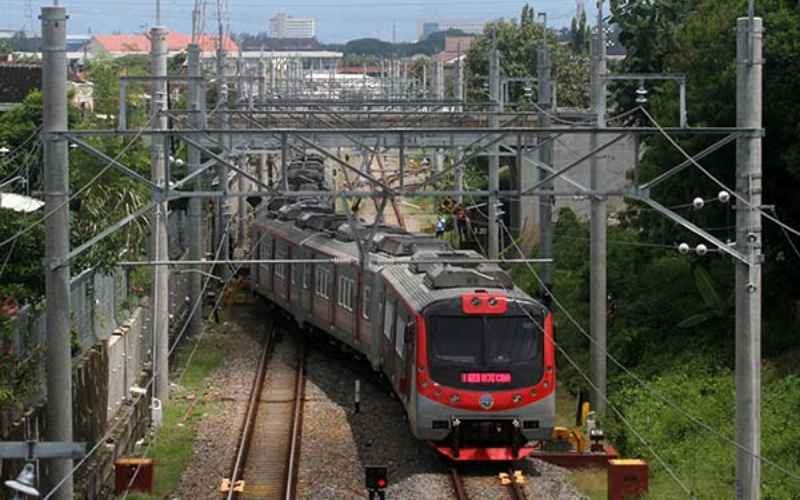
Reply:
x=704, y=462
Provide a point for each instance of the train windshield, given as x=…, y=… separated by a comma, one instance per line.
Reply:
x=502, y=352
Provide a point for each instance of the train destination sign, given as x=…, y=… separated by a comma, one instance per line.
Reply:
x=485, y=378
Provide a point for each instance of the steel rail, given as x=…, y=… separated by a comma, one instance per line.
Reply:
x=458, y=484
x=250, y=416
x=515, y=489
x=297, y=424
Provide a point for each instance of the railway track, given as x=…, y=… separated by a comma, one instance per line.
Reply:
x=515, y=490
x=269, y=444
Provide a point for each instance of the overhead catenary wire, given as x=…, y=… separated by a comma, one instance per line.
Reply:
x=77, y=193
x=110, y=432
x=610, y=405
x=639, y=381
x=718, y=182
x=188, y=361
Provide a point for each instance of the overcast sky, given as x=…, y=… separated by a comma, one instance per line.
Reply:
x=337, y=20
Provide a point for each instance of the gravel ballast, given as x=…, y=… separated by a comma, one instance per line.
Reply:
x=228, y=390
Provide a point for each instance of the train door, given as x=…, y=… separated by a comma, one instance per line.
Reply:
x=387, y=340
x=269, y=248
x=402, y=356
x=308, y=280
x=255, y=269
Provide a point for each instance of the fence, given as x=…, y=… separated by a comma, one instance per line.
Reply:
x=100, y=304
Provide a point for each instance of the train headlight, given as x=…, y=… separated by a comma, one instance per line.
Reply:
x=517, y=398
x=455, y=398
x=533, y=393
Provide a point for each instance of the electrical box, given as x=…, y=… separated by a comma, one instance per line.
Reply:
x=127, y=478
x=376, y=477
x=627, y=479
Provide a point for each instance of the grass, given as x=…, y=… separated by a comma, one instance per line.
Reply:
x=171, y=447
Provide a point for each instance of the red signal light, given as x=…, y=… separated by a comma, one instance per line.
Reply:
x=381, y=483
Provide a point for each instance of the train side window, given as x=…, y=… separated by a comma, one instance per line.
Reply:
x=365, y=301
x=322, y=283
x=400, y=336
x=388, y=318
x=345, y=293
x=280, y=268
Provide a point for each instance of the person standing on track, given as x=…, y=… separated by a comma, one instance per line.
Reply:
x=462, y=220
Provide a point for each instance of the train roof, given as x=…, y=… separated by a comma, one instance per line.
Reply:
x=403, y=258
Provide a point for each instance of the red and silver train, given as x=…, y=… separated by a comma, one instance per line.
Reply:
x=469, y=355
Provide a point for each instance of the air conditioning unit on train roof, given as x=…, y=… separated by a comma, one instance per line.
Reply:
x=402, y=245
x=326, y=222
x=477, y=274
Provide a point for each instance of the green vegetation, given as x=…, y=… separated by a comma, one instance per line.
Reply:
x=671, y=316
x=171, y=448
x=517, y=43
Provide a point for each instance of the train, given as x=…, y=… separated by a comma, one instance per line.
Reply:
x=469, y=355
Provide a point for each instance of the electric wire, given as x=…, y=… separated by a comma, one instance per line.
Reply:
x=675, y=406
x=109, y=433
x=77, y=193
x=613, y=407
x=18, y=149
x=715, y=179
x=188, y=361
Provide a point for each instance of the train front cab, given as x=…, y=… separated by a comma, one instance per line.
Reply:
x=484, y=377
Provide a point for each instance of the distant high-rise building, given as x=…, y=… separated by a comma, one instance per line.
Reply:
x=285, y=26
x=427, y=27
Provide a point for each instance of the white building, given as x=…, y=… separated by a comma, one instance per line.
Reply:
x=285, y=26
x=427, y=27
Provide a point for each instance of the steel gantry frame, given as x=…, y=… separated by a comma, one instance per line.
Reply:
x=483, y=132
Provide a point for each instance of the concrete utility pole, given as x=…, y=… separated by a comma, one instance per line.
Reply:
x=598, y=297
x=438, y=94
x=543, y=71
x=195, y=229
x=424, y=80
x=494, y=153
x=159, y=249
x=438, y=91
x=56, y=160
x=749, y=70
x=241, y=182
x=221, y=239
x=459, y=95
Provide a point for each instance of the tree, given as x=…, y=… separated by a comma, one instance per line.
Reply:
x=579, y=34
x=517, y=45
x=701, y=42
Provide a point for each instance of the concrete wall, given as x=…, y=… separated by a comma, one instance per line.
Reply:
x=615, y=176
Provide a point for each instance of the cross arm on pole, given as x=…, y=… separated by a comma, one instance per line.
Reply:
x=111, y=161
x=464, y=160
x=690, y=226
x=577, y=162
x=103, y=235
x=222, y=160
x=346, y=165
x=29, y=450
x=648, y=186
